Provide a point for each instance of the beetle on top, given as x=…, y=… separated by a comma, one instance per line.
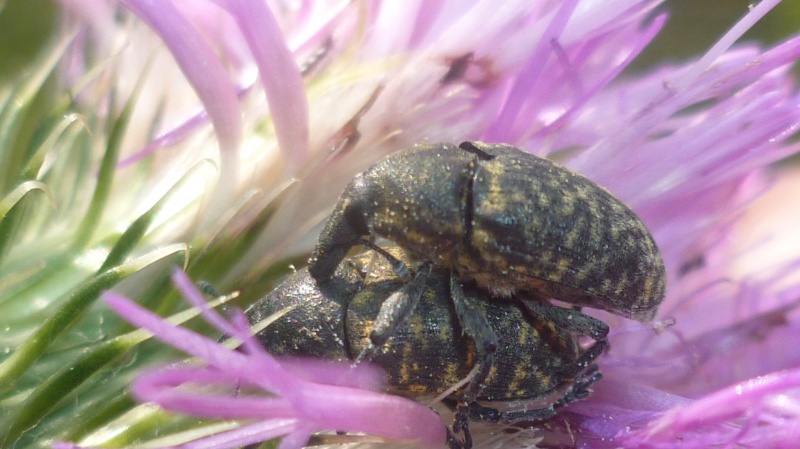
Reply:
x=508, y=220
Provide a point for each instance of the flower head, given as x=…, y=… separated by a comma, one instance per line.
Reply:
x=217, y=135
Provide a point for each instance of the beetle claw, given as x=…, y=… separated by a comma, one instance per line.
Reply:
x=460, y=425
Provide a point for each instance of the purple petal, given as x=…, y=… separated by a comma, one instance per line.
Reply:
x=734, y=34
x=196, y=345
x=170, y=137
x=587, y=94
x=525, y=82
x=710, y=416
x=200, y=65
x=368, y=377
x=246, y=435
x=279, y=74
x=160, y=387
x=296, y=439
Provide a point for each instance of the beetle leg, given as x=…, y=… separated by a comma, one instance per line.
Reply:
x=578, y=391
x=394, y=312
x=461, y=422
x=570, y=320
x=454, y=443
x=584, y=362
x=474, y=323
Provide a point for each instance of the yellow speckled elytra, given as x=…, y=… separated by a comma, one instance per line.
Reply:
x=506, y=219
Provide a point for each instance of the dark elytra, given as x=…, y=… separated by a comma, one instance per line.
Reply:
x=505, y=218
x=428, y=353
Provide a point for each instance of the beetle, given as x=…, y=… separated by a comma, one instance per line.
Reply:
x=504, y=218
x=529, y=361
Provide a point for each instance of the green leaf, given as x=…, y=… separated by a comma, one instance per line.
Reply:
x=47, y=395
x=72, y=308
x=11, y=208
x=131, y=237
x=18, y=110
x=108, y=168
x=50, y=136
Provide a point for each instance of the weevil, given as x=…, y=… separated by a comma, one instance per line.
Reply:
x=525, y=365
x=509, y=220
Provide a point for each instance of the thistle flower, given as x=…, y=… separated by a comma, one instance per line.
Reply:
x=217, y=135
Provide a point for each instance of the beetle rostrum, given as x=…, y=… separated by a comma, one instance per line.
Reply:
x=508, y=220
x=536, y=363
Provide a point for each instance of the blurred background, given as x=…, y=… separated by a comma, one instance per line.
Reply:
x=25, y=25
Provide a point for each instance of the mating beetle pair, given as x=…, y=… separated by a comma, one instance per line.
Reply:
x=539, y=367
x=496, y=223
